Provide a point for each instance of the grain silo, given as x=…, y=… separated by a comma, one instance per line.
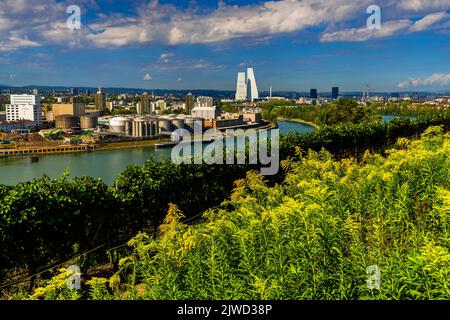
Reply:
x=194, y=123
x=66, y=122
x=138, y=128
x=88, y=122
x=119, y=125
x=165, y=125
x=178, y=124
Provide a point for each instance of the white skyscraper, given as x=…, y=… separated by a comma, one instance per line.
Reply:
x=241, y=88
x=253, y=93
x=246, y=88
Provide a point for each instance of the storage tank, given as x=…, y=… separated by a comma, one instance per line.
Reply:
x=88, y=122
x=66, y=122
x=138, y=128
x=178, y=124
x=192, y=123
x=164, y=125
x=119, y=124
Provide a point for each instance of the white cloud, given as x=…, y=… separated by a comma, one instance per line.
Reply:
x=165, y=56
x=388, y=29
x=421, y=5
x=148, y=77
x=363, y=34
x=43, y=22
x=429, y=20
x=437, y=79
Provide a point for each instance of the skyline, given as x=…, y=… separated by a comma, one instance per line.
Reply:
x=174, y=45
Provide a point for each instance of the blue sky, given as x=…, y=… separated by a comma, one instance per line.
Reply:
x=291, y=44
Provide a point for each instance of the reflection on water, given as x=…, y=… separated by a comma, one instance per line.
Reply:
x=100, y=164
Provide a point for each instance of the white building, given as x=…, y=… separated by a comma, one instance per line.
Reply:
x=24, y=107
x=253, y=93
x=241, y=87
x=247, y=88
x=206, y=112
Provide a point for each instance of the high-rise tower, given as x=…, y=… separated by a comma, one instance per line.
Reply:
x=241, y=87
x=253, y=93
x=246, y=87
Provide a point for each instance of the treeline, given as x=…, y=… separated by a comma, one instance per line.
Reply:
x=348, y=139
x=46, y=219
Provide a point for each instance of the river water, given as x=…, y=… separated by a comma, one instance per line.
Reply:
x=100, y=164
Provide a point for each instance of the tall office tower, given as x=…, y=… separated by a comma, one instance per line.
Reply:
x=100, y=100
x=146, y=103
x=88, y=92
x=241, y=87
x=74, y=92
x=205, y=102
x=313, y=94
x=334, y=93
x=24, y=107
x=253, y=93
x=189, y=103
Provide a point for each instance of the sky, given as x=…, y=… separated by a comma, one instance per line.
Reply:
x=291, y=44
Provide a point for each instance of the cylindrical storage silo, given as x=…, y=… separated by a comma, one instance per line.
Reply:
x=165, y=125
x=128, y=128
x=88, y=122
x=66, y=122
x=192, y=124
x=178, y=124
x=119, y=124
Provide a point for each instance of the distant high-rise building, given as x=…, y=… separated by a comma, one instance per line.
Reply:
x=313, y=94
x=88, y=92
x=334, y=93
x=146, y=104
x=35, y=92
x=24, y=107
x=253, y=93
x=74, y=92
x=100, y=100
x=189, y=103
x=246, y=87
x=241, y=87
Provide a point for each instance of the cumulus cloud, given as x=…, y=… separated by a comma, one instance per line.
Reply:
x=363, y=34
x=421, y=5
x=437, y=79
x=43, y=22
x=148, y=77
x=429, y=20
x=388, y=29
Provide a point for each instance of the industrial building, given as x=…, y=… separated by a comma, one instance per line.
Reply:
x=100, y=100
x=220, y=123
x=73, y=109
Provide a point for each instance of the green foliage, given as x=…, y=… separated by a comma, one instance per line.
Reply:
x=342, y=111
x=313, y=236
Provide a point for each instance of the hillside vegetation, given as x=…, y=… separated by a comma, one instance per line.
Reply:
x=311, y=237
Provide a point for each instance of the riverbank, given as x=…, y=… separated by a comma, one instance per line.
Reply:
x=129, y=144
x=312, y=124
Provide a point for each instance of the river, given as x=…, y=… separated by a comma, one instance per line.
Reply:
x=99, y=164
